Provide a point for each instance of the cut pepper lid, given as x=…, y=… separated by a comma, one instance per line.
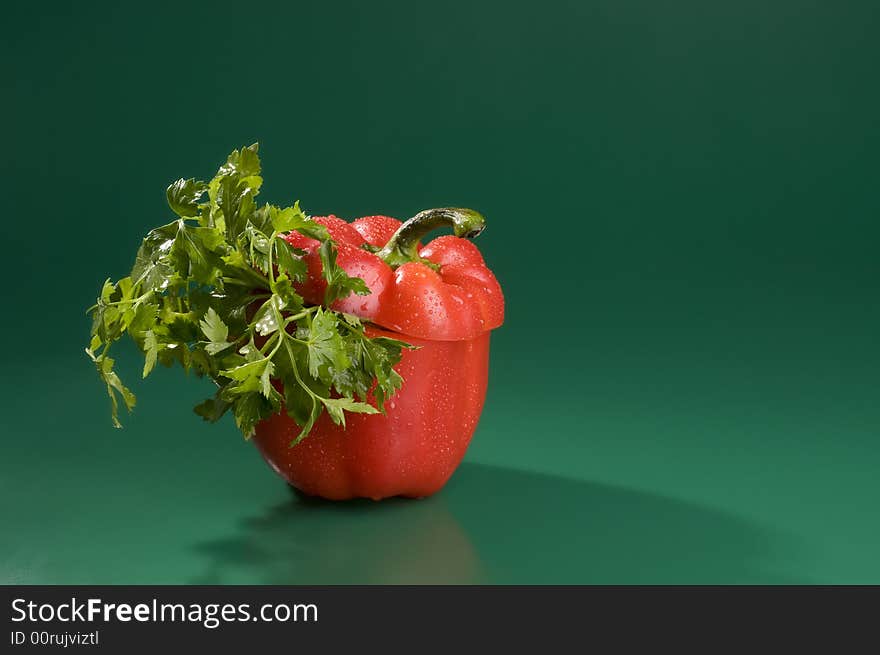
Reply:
x=441, y=291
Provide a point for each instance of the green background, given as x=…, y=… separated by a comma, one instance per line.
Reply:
x=683, y=212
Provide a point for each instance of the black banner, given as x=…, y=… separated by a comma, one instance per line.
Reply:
x=241, y=619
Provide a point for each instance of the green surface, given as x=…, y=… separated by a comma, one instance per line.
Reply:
x=683, y=213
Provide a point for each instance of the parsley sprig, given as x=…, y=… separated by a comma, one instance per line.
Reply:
x=213, y=291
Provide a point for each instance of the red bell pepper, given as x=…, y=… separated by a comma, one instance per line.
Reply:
x=440, y=297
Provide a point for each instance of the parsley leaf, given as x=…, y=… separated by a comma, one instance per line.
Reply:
x=184, y=195
x=324, y=343
x=339, y=284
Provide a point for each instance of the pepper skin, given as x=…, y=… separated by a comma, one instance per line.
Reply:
x=441, y=298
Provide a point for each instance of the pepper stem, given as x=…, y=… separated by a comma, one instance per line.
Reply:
x=402, y=247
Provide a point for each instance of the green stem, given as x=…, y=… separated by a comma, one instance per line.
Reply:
x=270, y=342
x=305, y=312
x=258, y=280
x=271, y=268
x=403, y=245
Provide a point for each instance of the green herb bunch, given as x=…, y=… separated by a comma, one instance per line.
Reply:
x=213, y=291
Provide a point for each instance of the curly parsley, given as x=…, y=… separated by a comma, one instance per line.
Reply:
x=213, y=291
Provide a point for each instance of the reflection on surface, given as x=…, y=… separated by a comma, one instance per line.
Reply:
x=311, y=541
x=498, y=526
